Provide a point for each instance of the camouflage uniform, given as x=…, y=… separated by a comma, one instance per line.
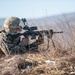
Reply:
x=7, y=45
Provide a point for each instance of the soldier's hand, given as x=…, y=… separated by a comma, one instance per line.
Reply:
x=40, y=40
x=25, y=41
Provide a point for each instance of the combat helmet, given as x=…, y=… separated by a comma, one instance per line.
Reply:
x=11, y=24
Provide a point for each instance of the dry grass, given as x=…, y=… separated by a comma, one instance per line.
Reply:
x=35, y=64
x=61, y=56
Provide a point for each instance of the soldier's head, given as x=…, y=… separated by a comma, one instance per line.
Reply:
x=11, y=25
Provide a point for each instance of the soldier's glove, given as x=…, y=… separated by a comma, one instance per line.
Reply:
x=40, y=40
x=25, y=41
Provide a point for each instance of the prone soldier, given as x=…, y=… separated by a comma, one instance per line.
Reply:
x=10, y=46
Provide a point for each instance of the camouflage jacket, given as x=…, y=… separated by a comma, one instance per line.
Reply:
x=9, y=46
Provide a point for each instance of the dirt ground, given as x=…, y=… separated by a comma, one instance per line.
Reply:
x=58, y=62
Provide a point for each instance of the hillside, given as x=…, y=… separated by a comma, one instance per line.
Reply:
x=1, y=22
x=53, y=19
x=49, y=19
x=54, y=57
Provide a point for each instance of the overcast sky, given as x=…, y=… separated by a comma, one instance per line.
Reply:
x=35, y=8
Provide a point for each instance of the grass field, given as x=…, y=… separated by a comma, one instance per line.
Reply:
x=52, y=59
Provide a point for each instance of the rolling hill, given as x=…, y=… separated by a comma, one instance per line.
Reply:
x=49, y=19
x=57, y=61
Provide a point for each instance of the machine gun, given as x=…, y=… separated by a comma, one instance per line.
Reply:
x=33, y=32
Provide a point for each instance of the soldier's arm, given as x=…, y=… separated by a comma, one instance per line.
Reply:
x=3, y=47
x=35, y=44
x=8, y=48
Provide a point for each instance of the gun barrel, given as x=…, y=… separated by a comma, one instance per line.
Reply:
x=58, y=32
x=49, y=32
